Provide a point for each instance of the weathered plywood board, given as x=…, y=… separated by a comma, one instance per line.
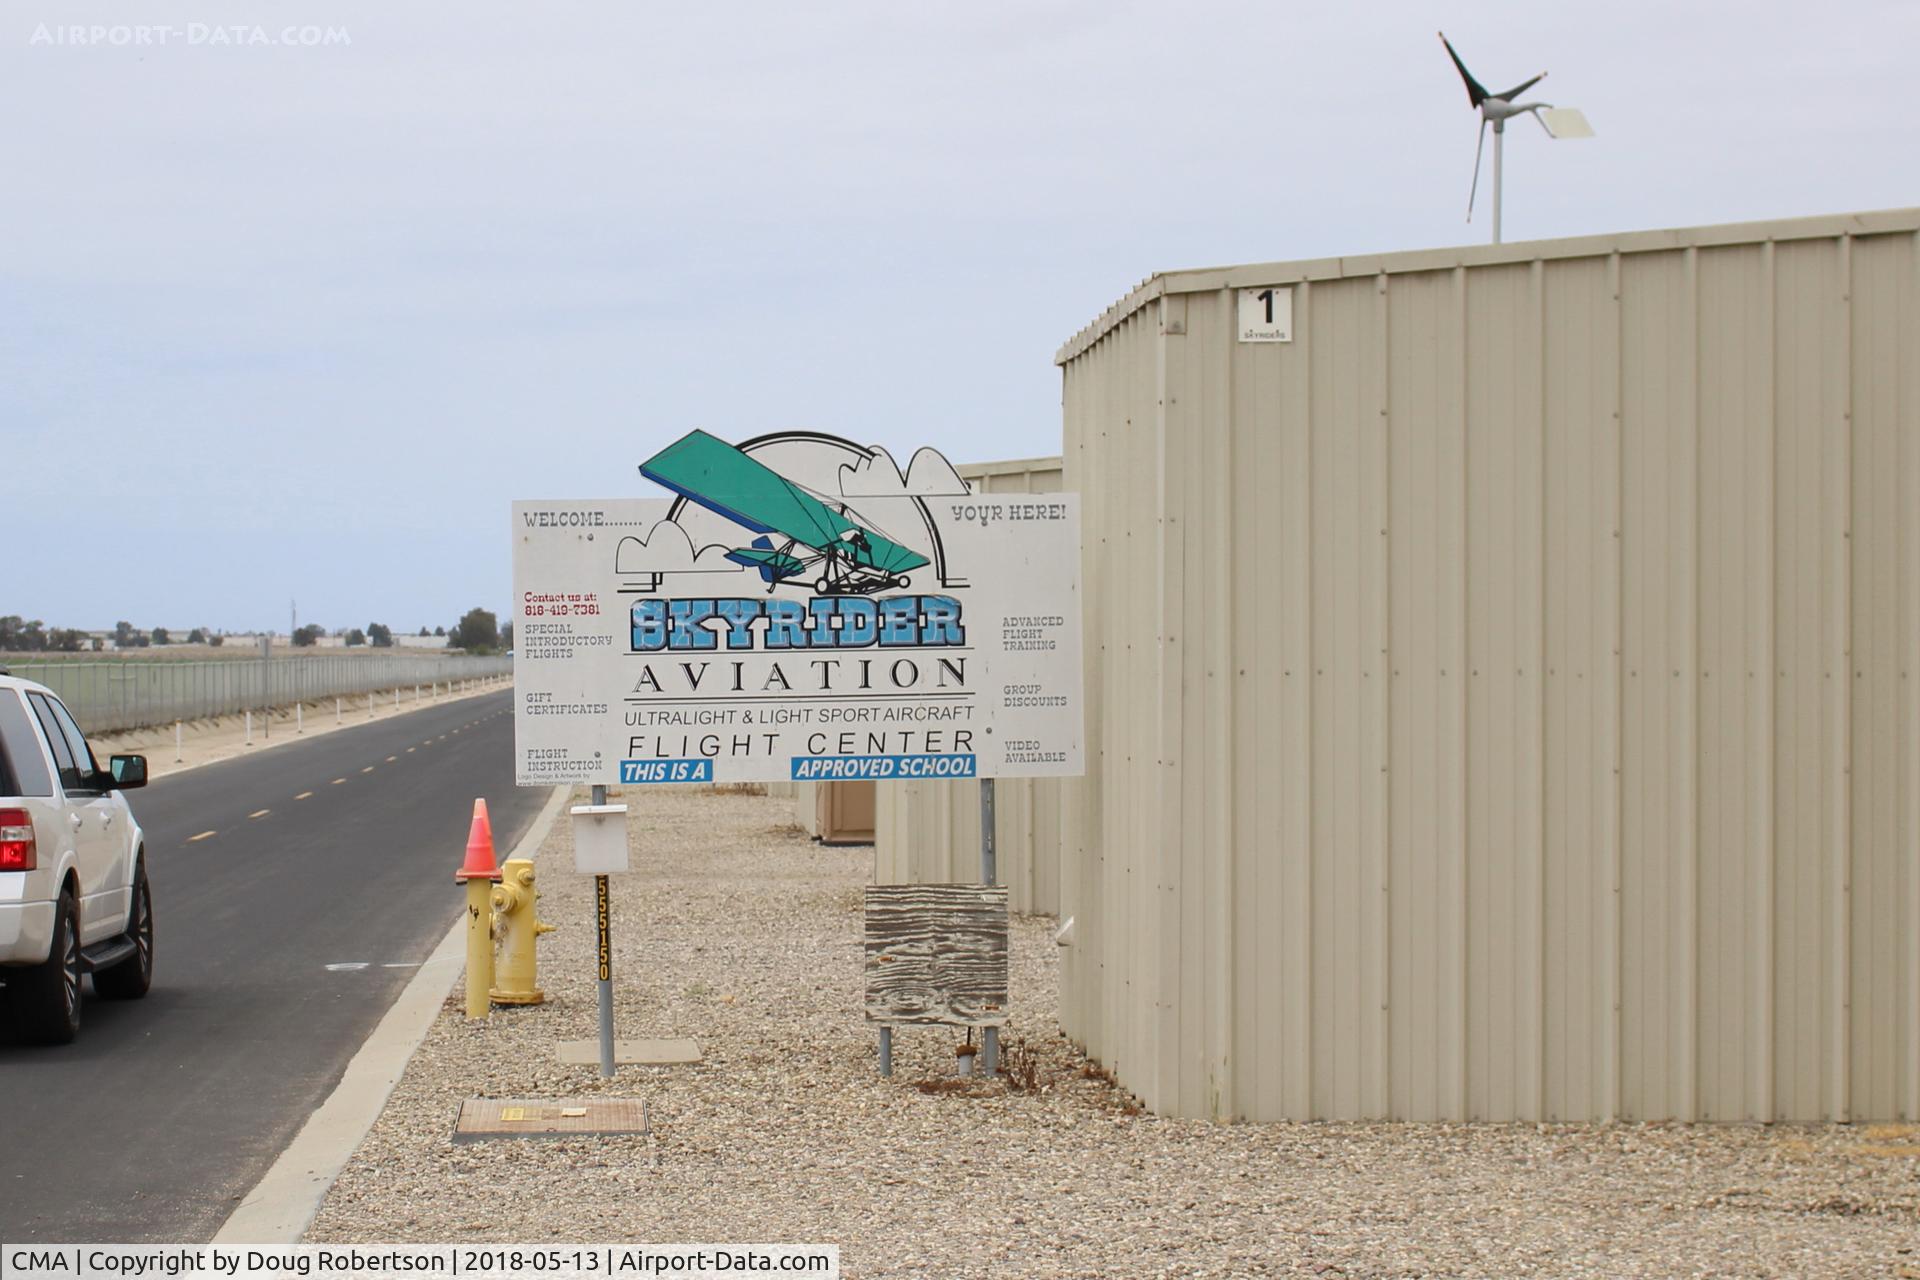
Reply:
x=937, y=953
x=482, y=1118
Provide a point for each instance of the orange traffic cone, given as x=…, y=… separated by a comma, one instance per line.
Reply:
x=479, y=864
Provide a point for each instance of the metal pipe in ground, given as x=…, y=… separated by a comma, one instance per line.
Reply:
x=603, y=911
x=989, y=875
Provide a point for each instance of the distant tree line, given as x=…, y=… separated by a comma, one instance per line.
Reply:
x=17, y=635
x=377, y=635
x=478, y=631
x=20, y=636
x=128, y=636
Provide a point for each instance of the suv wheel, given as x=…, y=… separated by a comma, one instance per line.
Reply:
x=130, y=979
x=46, y=998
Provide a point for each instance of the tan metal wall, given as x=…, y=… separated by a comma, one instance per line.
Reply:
x=929, y=832
x=1504, y=699
x=806, y=807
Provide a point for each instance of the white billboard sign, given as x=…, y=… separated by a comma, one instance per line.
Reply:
x=798, y=608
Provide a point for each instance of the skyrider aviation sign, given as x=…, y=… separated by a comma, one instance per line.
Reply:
x=796, y=608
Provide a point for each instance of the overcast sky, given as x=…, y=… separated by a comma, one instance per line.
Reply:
x=301, y=321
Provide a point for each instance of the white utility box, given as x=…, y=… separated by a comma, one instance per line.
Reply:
x=599, y=839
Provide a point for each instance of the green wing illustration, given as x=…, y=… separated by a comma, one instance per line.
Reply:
x=709, y=471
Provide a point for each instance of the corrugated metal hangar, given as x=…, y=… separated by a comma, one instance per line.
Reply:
x=1503, y=681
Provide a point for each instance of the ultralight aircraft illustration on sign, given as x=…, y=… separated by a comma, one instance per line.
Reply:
x=849, y=556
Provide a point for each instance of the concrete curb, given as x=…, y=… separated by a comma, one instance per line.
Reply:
x=283, y=1203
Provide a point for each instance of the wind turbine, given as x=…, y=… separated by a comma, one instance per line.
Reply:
x=1496, y=109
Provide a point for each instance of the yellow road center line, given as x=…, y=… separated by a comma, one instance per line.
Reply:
x=303, y=795
x=202, y=836
x=260, y=813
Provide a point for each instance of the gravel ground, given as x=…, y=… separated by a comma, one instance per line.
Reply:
x=740, y=932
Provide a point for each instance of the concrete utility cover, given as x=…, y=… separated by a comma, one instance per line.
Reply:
x=482, y=1118
x=644, y=1053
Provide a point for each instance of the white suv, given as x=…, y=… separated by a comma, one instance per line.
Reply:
x=73, y=874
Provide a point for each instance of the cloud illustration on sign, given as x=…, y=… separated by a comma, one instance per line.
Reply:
x=877, y=475
x=668, y=549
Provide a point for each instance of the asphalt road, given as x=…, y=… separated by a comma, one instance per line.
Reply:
x=338, y=850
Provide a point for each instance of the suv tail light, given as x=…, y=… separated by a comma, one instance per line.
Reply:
x=16, y=840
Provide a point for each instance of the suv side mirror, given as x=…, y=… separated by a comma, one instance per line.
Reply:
x=128, y=771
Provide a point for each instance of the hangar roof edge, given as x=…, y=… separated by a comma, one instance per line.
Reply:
x=1209, y=279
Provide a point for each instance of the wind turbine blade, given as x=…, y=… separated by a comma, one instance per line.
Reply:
x=1521, y=88
x=1476, y=92
x=1474, y=190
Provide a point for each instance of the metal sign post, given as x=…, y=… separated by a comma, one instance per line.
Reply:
x=602, y=913
x=989, y=876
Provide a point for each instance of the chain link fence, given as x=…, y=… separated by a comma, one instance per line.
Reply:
x=109, y=696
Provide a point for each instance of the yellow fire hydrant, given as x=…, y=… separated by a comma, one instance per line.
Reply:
x=516, y=928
